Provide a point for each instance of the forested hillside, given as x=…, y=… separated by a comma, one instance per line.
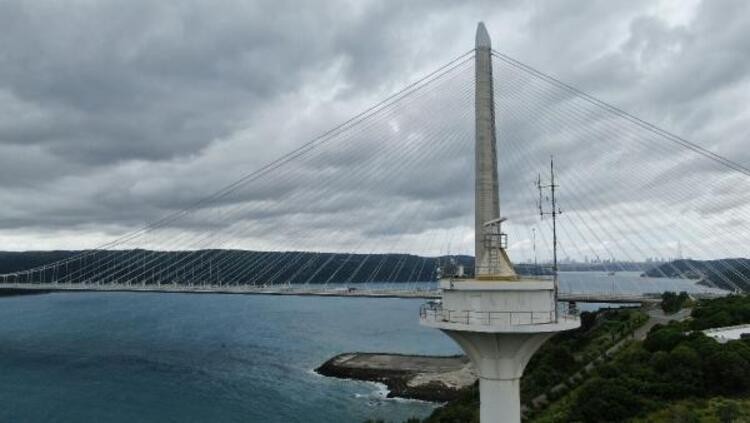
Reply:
x=724, y=273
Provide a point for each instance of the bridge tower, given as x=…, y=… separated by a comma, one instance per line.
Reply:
x=498, y=318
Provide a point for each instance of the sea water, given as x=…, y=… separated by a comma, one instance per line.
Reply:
x=155, y=357
x=130, y=357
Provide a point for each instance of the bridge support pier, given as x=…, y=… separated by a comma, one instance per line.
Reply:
x=500, y=400
x=499, y=359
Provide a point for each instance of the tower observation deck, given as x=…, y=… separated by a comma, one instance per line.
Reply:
x=498, y=318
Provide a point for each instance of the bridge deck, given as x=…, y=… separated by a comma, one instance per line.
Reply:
x=308, y=290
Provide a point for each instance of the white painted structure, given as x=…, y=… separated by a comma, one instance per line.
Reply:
x=498, y=319
x=728, y=333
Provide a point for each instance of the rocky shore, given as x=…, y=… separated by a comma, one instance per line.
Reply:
x=426, y=378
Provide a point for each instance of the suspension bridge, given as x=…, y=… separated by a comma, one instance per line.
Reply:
x=379, y=205
x=327, y=291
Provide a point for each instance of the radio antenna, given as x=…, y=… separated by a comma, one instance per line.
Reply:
x=553, y=212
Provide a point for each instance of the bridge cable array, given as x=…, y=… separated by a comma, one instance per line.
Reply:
x=386, y=197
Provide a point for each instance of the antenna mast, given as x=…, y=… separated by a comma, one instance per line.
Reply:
x=554, y=212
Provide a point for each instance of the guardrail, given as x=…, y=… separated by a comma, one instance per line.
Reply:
x=436, y=313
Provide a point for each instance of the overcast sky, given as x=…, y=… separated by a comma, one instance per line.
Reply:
x=115, y=113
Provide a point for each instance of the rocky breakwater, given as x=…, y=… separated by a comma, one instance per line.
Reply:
x=426, y=378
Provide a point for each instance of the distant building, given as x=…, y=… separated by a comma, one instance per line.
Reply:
x=728, y=333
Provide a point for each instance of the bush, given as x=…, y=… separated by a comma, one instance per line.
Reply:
x=664, y=338
x=672, y=303
x=728, y=372
x=727, y=311
x=674, y=362
x=605, y=400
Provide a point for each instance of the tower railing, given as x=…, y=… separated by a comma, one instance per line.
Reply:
x=434, y=312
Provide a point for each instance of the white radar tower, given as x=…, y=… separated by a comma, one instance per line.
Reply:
x=498, y=317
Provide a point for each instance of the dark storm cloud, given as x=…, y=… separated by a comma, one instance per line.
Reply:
x=115, y=113
x=137, y=80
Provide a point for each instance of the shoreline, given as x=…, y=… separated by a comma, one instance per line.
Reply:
x=416, y=377
x=12, y=292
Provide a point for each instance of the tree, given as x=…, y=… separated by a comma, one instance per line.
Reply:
x=684, y=373
x=588, y=320
x=672, y=303
x=664, y=338
x=727, y=411
x=684, y=414
x=727, y=372
x=605, y=400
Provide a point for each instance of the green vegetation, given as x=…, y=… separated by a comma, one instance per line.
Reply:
x=728, y=311
x=557, y=361
x=674, y=365
x=677, y=374
x=567, y=353
x=714, y=410
x=672, y=303
x=411, y=420
x=465, y=409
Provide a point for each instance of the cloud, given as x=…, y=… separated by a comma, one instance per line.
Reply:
x=115, y=114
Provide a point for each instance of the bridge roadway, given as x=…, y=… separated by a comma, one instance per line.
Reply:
x=307, y=290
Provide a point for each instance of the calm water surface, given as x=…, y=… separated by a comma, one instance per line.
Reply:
x=124, y=357
x=127, y=357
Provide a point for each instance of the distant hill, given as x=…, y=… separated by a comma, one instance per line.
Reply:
x=617, y=266
x=12, y=261
x=722, y=273
x=227, y=266
x=243, y=266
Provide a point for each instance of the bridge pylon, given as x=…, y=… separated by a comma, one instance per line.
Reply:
x=498, y=318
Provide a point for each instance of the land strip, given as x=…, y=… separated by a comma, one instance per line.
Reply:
x=427, y=378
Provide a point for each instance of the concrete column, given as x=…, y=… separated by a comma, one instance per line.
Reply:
x=500, y=401
x=487, y=200
x=499, y=359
